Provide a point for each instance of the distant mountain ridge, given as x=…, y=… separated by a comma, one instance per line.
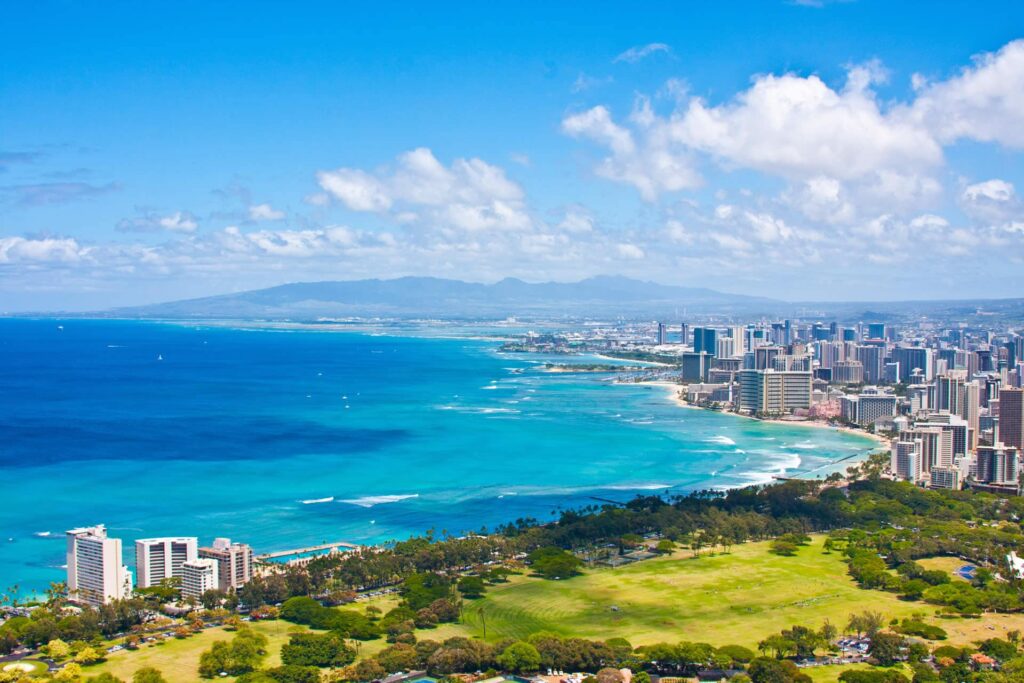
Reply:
x=441, y=298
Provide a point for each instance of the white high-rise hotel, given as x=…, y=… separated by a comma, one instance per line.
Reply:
x=157, y=559
x=95, y=573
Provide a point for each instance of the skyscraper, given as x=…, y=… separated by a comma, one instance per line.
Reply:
x=1011, y=417
x=705, y=339
x=157, y=559
x=95, y=573
x=662, y=334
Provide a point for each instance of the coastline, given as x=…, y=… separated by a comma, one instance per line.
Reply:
x=673, y=396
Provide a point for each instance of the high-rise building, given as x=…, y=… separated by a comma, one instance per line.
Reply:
x=1011, y=417
x=662, y=334
x=768, y=391
x=913, y=358
x=695, y=366
x=96, y=575
x=848, y=372
x=873, y=360
x=705, y=339
x=199, y=576
x=876, y=331
x=684, y=334
x=234, y=562
x=945, y=478
x=998, y=464
x=157, y=559
x=739, y=339
x=866, y=409
x=906, y=460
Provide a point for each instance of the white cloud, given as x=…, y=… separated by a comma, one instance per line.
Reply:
x=639, y=52
x=41, y=250
x=179, y=221
x=995, y=190
x=151, y=221
x=470, y=194
x=991, y=202
x=577, y=220
x=265, y=212
x=652, y=167
x=799, y=127
x=984, y=102
x=630, y=251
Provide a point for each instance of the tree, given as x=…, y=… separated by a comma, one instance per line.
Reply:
x=866, y=623
x=105, y=677
x=519, y=657
x=665, y=546
x=148, y=674
x=368, y=670
x=57, y=649
x=88, y=655
x=399, y=657
x=609, y=676
x=766, y=670
x=784, y=548
x=778, y=645
x=313, y=649
x=886, y=648
x=471, y=587
x=71, y=673
x=641, y=677
x=554, y=563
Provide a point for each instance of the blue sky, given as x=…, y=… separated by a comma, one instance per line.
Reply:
x=833, y=150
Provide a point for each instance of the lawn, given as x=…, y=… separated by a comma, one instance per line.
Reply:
x=739, y=597
x=179, y=659
x=830, y=674
x=32, y=667
x=946, y=564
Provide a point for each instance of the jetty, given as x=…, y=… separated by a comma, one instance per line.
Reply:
x=299, y=552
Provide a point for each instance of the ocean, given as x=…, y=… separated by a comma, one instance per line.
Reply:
x=284, y=438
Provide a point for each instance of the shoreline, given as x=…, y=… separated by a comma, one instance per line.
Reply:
x=673, y=391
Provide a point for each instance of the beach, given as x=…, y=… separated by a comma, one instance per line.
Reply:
x=674, y=391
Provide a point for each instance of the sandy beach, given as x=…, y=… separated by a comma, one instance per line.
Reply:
x=673, y=391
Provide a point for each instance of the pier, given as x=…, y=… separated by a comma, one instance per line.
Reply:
x=299, y=552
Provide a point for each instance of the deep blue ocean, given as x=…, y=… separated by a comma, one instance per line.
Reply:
x=286, y=438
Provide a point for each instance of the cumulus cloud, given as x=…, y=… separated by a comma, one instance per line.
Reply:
x=984, y=102
x=265, y=212
x=470, y=194
x=40, y=250
x=653, y=165
x=992, y=202
x=845, y=155
x=639, y=52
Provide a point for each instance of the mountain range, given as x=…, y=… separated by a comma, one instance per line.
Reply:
x=428, y=297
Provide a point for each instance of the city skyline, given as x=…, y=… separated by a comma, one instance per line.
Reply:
x=803, y=151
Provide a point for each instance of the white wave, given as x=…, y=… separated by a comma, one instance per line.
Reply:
x=637, y=487
x=370, y=501
x=741, y=451
x=490, y=386
x=805, y=445
x=724, y=440
x=314, y=501
x=43, y=534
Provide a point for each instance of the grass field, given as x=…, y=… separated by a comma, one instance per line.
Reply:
x=945, y=564
x=179, y=659
x=739, y=597
x=830, y=674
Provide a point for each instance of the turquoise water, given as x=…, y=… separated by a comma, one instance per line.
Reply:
x=286, y=439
